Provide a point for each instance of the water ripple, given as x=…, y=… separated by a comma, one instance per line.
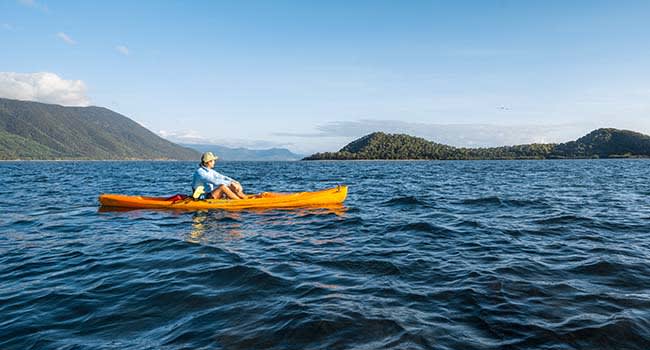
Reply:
x=459, y=255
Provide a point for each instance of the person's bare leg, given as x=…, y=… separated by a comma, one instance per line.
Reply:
x=223, y=189
x=238, y=190
x=229, y=193
x=217, y=193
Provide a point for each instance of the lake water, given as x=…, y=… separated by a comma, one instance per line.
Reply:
x=424, y=255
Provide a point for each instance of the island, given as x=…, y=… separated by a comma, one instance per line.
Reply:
x=600, y=143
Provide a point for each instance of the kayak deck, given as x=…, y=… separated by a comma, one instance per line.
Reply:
x=263, y=200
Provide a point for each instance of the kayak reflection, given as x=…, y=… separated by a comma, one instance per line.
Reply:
x=213, y=226
x=336, y=209
x=222, y=225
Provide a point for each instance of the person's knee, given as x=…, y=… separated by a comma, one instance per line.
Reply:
x=219, y=190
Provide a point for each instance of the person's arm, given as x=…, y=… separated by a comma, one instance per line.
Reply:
x=219, y=179
x=229, y=178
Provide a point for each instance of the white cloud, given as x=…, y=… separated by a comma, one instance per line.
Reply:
x=43, y=87
x=34, y=4
x=63, y=36
x=123, y=50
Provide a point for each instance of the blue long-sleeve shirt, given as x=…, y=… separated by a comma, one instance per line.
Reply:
x=209, y=179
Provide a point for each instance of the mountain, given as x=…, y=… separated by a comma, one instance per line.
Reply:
x=600, y=143
x=32, y=130
x=227, y=153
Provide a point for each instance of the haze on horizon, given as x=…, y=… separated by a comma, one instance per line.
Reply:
x=312, y=77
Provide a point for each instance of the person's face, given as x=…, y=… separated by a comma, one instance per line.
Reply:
x=210, y=164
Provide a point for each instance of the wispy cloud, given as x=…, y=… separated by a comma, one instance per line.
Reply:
x=480, y=52
x=460, y=135
x=66, y=38
x=195, y=137
x=254, y=144
x=123, y=50
x=34, y=4
x=184, y=136
x=43, y=87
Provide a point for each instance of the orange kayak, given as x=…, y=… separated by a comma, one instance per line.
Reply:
x=263, y=200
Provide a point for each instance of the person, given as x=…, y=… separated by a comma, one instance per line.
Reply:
x=213, y=184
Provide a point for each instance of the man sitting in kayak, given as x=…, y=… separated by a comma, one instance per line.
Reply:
x=214, y=184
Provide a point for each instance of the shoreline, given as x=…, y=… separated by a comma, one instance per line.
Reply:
x=93, y=160
x=133, y=160
x=465, y=160
x=314, y=160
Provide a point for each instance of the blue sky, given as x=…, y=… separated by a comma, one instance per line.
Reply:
x=312, y=76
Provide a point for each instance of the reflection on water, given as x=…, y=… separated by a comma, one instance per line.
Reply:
x=336, y=209
x=214, y=226
x=209, y=226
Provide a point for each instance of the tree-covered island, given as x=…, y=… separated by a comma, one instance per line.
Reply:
x=600, y=143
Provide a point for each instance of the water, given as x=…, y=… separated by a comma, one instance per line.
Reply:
x=425, y=255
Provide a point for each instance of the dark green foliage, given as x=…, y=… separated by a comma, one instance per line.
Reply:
x=601, y=143
x=385, y=146
x=31, y=130
x=606, y=143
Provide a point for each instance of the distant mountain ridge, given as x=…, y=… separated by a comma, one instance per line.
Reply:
x=242, y=154
x=33, y=130
x=600, y=143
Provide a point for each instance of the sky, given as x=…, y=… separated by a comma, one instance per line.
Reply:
x=311, y=76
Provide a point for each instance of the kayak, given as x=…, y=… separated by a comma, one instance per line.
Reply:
x=264, y=200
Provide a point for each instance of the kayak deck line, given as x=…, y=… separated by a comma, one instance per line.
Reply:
x=263, y=200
